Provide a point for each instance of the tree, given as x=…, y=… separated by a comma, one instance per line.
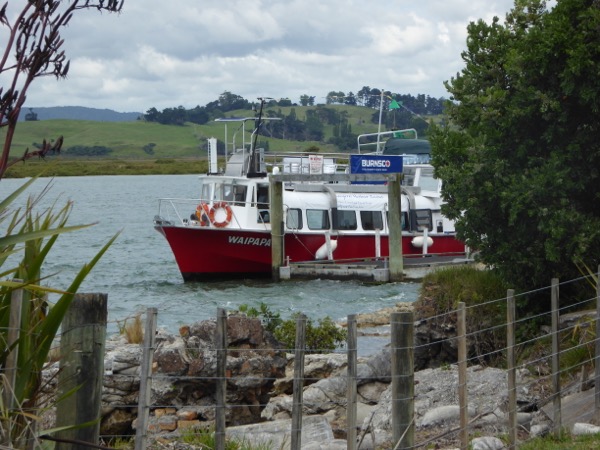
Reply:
x=520, y=158
x=307, y=100
x=34, y=49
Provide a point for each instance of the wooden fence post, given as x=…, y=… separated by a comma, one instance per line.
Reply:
x=145, y=392
x=221, y=388
x=462, y=375
x=352, y=343
x=82, y=368
x=556, y=360
x=297, y=406
x=511, y=369
x=597, y=358
x=403, y=385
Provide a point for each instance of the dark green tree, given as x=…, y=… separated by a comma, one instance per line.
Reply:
x=520, y=158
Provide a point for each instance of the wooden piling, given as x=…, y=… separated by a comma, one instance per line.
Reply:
x=277, y=231
x=396, y=267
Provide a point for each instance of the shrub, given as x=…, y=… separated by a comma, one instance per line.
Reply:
x=322, y=338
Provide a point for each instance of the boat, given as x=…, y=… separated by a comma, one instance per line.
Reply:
x=226, y=231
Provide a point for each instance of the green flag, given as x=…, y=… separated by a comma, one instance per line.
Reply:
x=394, y=104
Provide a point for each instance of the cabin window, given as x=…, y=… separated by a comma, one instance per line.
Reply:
x=262, y=203
x=371, y=220
x=317, y=219
x=227, y=192
x=205, y=194
x=421, y=219
x=408, y=176
x=403, y=220
x=293, y=219
x=344, y=219
x=426, y=180
x=239, y=194
x=262, y=196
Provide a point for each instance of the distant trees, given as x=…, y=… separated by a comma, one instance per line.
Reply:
x=307, y=100
x=311, y=128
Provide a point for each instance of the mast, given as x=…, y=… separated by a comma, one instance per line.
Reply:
x=254, y=164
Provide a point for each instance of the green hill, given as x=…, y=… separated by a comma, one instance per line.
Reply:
x=147, y=141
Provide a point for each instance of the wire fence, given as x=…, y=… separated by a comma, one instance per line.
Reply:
x=500, y=375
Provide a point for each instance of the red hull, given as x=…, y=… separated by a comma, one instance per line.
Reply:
x=208, y=253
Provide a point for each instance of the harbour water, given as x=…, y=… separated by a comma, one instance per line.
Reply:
x=139, y=270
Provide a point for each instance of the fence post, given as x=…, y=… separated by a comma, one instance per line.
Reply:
x=82, y=369
x=297, y=406
x=597, y=359
x=556, y=359
x=221, y=388
x=141, y=431
x=403, y=386
x=511, y=369
x=462, y=375
x=351, y=383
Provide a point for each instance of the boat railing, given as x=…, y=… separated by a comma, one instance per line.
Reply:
x=308, y=163
x=182, y=212
x=177, y=210
x=376, y=140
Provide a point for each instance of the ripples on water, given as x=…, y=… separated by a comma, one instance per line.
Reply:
x=139, y=271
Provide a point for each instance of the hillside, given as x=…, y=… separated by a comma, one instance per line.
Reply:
x=79, y=113
x=138, y=139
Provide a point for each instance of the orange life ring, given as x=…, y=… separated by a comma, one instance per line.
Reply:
x=203, y=213
x=215, y=207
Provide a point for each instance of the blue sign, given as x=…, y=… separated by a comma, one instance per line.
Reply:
x=375, y=164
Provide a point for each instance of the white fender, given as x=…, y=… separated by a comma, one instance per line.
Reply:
x=323, y=252
x=418, y=241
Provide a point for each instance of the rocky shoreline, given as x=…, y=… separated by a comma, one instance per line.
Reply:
x=260, y=382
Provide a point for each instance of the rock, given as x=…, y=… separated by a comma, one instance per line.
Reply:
x=316, y=434
x=442, y=415
x=585, y=428
x=487, y=443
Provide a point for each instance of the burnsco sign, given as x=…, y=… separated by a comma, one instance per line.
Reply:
x=375, y=164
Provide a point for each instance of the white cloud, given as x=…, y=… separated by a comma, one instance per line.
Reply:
x=166, y=54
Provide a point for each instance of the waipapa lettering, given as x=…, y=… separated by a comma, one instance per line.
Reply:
x=241, y=240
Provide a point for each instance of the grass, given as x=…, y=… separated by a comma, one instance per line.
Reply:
x=133, y=329
x=57, y=166
x=566, y=441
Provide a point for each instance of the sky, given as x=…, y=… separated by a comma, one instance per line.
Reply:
x=171, y=53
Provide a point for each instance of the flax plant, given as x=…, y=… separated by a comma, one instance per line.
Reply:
x=26, y=239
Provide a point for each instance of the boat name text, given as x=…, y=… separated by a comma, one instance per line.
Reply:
x=261, y=242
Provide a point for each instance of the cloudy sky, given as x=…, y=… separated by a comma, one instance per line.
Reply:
x=169, y=53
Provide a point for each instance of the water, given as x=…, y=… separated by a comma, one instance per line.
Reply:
x=139, y=270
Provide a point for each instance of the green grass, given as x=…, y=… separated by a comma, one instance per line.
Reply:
x=566, y=441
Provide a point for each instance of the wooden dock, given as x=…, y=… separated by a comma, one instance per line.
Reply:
x=376, y=270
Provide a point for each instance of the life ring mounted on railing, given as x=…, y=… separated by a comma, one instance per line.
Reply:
x=203, y=214
x=222, y=222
